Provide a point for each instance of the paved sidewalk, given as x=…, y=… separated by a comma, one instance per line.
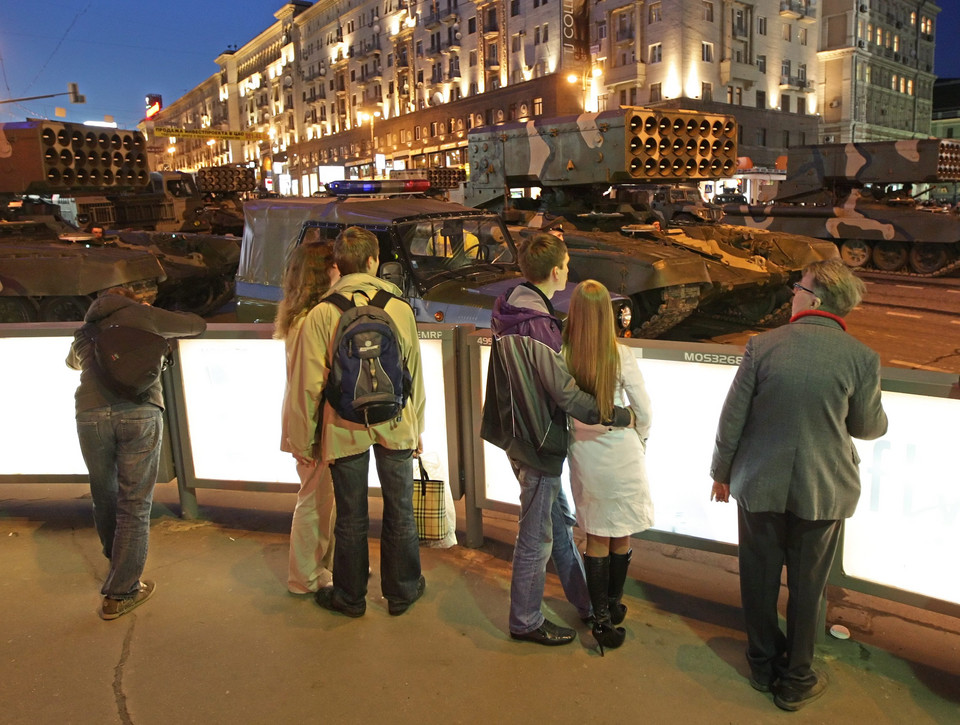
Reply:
x=222, y=641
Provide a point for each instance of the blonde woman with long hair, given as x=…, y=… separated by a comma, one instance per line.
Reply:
x=309, y=273
x=608, y=474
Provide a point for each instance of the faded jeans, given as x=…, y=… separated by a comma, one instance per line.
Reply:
x=121, y=447
x=399, y=542
x=545, y=531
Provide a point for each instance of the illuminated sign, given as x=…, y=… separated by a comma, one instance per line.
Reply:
x=207, y=133
x=154, y=103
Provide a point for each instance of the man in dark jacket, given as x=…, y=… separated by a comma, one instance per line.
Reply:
x=529, y=394
x=784, y=451
x=120, y=441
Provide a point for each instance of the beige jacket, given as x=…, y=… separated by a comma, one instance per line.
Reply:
x=309, y=366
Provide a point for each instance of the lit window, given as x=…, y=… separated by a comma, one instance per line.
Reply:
x=707, y=11
x=655, y=14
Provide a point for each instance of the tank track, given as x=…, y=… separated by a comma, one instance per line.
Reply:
x=677, y=303
x=908, y=274
x=779, y=316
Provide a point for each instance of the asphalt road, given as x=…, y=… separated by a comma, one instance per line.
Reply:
x=911, y=324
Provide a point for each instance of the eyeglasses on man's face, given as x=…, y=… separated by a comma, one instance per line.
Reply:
x=797, y=287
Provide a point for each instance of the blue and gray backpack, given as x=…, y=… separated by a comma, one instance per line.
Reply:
x=369, y=382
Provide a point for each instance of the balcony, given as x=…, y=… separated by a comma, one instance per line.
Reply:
x=368, y=50
x=740, y=31
x=492, y=64
x=624, y=36
x=797, y=10
x=431, y=20
x=792, y=83
x=492, y=29
x=632, y=73
x=731, y=70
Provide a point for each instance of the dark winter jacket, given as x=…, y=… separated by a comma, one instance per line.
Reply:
x=529, y=390
x=118, y=310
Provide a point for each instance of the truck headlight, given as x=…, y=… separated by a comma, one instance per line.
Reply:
x=623, y=314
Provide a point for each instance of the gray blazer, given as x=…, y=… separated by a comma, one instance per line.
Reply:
x=784, y=439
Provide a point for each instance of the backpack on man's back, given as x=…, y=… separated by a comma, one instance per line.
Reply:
x=369, y=382
x=127, y=360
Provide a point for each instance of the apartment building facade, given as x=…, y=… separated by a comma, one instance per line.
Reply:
x=361, y=87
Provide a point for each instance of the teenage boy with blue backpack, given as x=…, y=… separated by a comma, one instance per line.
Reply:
x=345, y=439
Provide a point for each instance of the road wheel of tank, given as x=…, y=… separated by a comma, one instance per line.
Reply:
x=927, y=258
x=17, y=309
x=889, y=256
x=64, y=309
x=855, y=253
x=757, y=308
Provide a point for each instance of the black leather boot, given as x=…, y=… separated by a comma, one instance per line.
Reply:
x=598, y=584
x=619, y=563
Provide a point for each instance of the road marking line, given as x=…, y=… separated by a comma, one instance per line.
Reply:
x=905, y=314
x=954, y=291
x=955, y=322
x=909, y=286
x=916, y=366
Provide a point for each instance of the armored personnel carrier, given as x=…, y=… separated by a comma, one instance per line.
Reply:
x=629, y=172
x=860, y=196
x=46, y=278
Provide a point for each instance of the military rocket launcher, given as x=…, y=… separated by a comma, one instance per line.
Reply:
x=860, y=196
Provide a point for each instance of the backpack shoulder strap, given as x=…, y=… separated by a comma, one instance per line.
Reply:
x=381, y=298
x=340, y=301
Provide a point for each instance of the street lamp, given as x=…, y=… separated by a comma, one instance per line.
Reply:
x=72, y=91
x=370, y=117
x=589, y=81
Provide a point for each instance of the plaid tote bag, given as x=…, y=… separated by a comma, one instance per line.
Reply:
x=429, y=507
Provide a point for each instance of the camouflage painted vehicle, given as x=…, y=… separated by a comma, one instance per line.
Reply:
x=47, y=277
x=451, y=261
x=860, y=196
x=627, y=172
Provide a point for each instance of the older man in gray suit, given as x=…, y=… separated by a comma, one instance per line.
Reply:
x=784, y=450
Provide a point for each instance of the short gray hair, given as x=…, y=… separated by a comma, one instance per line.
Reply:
x=835, y=284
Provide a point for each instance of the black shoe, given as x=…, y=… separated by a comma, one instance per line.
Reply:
x=789, y=698
x=762, y=683
x=327, y=599
x=547, y=633
x=396, y=608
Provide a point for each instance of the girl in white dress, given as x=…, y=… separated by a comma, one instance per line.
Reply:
x=608, y=473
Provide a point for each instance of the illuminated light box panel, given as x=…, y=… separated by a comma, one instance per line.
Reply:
x=906, y=531
x=38, y=429
x=905, y=526
x=678, y=451
x=233, y=393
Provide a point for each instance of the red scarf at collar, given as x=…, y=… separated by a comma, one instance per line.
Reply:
x=820, y=313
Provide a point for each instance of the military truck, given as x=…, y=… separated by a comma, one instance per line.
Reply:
x=450, y=261
x=629, y=171
x=861, y=197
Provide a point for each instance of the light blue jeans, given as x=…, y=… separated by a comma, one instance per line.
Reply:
x=545, y=531
x=121, y=447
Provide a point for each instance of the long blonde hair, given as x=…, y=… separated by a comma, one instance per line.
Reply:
x=590, y=344
x=305, y=280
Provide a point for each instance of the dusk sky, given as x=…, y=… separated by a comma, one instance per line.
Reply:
x=117, y=51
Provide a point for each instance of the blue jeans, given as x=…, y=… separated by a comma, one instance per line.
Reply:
x=545, y=531
x=399, y=543
x=121, y=447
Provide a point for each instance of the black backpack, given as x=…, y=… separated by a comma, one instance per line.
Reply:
x=369, y=382
x=127, y=360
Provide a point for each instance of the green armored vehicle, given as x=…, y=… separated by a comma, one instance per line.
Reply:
x=860, y=196
x=46, y=277
x=629, y=172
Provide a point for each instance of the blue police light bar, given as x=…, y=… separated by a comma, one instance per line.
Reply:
x=396, y=186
